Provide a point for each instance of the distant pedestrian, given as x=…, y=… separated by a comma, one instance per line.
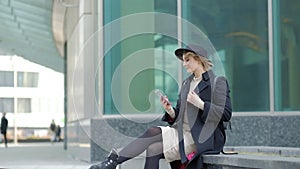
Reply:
x=4, y=124
x=52, y=131
x=58, y=132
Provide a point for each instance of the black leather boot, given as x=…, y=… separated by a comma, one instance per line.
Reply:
x=110, y=162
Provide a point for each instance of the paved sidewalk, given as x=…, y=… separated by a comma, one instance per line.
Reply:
x=38, y=156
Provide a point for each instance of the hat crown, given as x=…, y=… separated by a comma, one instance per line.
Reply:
x=197, y=49
x=191, y=48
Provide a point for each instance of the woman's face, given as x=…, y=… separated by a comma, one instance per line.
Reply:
x=191, y=65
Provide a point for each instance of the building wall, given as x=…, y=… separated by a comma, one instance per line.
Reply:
x=82, y=80
x=36, y=96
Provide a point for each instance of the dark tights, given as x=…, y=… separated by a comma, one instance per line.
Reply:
x=151, y=141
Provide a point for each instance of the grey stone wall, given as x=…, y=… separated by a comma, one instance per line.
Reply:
x=117, y=132
x=264, y=131
x=109, y=133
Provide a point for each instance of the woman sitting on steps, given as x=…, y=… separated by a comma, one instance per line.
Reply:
x=196, y=122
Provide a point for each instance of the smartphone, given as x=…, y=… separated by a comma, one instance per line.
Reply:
x=160, y=94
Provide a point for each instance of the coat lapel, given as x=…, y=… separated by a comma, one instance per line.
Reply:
x=183, y=96
x=201, y=86
x=204, y=83
x=193, y=111
x=184, y=91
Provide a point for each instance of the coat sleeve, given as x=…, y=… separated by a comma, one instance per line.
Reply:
x=219, y=109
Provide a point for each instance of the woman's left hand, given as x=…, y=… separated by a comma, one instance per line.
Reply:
x=194, y=99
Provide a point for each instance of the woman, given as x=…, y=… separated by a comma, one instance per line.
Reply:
x=196, y=122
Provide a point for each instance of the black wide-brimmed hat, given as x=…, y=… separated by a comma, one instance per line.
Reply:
x=191, y=48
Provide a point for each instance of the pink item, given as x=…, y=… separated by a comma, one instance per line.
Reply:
x=190, y=156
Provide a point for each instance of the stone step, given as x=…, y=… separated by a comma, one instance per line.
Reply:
x=138, y=163
x=256, y=157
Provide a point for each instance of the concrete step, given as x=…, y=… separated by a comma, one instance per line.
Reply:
x=256, y=158
x=138, y=163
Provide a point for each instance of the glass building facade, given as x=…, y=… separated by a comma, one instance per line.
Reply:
x=119, y=52
x=257, y=42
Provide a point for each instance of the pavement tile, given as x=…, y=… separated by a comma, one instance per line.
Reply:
x=38, y=156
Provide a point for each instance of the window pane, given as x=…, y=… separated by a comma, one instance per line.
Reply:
x=24, y=105
x=7, y=105
x=167, y=67
x=151, y=47
x=286, y=55
x=6, y=78
x=27, y=79
x=239, y=32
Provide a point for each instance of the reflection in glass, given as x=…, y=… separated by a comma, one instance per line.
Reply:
x=239, y=33
x=157, y=48
x=286, y=54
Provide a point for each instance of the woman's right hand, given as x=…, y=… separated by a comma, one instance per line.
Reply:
x=165, y=103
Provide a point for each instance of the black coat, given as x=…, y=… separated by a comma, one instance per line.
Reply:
x=4, y=124
x=206, y=125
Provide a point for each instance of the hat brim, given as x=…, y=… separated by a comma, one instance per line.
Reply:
x=179, y=52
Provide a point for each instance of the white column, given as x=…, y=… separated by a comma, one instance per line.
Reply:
x=15, y=103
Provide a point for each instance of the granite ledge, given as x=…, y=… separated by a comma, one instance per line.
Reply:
x=252, y=161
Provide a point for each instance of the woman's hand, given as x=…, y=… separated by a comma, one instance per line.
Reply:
x=194, y=99
x=165, y=103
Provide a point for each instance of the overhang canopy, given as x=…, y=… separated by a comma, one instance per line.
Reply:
x=26, y=31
